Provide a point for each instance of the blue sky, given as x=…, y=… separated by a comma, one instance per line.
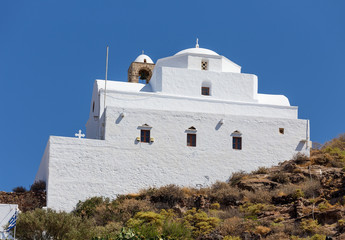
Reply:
x=52, y=51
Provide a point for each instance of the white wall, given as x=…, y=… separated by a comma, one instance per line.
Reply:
x=43, y=170
x=121, y=165
x=225, y=86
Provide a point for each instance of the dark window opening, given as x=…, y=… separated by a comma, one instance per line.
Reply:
x=144, y=60
x=205, y=91
x=237, y=143
x=281, y=130
x=143, y=76
x=93, y=106
x=145, y=136
x=191, y=140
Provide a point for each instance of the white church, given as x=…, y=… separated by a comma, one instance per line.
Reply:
x=189, y=119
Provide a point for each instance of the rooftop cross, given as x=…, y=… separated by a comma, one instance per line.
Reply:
x=197, y=43
x=79, y=135
x=142, y=51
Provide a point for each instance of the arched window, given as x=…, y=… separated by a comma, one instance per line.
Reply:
x=145, y=133
x=144, y=76
x=191, y=136
x=237, y=140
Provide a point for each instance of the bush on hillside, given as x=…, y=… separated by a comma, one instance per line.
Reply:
x=49, y=224
x=19, y=189
x=124, y=209
x=236, y=177
x=38, y=186
x=199, y=222
x=280, y=178
x=300, y=158
x=224, y=194
x=170, y=195
x=261, y=170
x=87, y=208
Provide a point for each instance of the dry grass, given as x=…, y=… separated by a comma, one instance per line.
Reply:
x=259, y=196
x=261, y=170
x=236, y=177
x=224, y=194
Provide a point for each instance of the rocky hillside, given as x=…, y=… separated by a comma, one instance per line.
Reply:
x=26, y=200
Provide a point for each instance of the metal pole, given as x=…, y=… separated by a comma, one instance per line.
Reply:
x=106, y=77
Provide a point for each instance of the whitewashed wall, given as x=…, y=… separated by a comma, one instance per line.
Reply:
x=82, y=168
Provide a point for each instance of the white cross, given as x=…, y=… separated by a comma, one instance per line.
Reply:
x=197, y=43
x=79, y=135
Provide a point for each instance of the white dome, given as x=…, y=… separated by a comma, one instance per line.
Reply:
x=143, y=59
x=198, y=51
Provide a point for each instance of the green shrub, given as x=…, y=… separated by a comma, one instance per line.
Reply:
x=41, y=224
x=88, y=207
x=231, y=238
x=175, y=230
x=165, y=225
x=124, y=209
x=254, y=209
x=128, y=234
x=199, y=223
x=215, y=206
x=146, y=218
x=323, y=206
x=318, y=237
x=298, y=194
x=109, y=231
x=309, y=225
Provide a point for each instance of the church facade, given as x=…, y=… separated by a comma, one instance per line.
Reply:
x=190, y=119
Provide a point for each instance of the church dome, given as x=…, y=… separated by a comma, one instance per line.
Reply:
x=198, y=50
x=143, y=59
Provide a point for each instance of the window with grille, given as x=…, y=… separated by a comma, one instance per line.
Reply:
x=191, y=140
x=205, y=91
x=144, y=135
x=204, y=65
x=237, y=143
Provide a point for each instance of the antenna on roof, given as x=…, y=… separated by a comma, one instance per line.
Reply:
x=197, y=43
x=106, y=77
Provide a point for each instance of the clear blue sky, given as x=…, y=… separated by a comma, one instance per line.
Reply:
x=52, y=51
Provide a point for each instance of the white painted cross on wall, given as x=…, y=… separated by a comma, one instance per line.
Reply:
x=79, y=135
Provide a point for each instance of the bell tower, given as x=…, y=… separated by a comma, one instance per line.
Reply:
x=141, y=69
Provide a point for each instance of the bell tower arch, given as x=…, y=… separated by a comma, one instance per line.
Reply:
x=141, y=69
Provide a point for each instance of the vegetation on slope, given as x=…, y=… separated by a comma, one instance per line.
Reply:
x=303, y=198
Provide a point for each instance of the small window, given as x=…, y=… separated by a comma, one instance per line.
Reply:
x=281, y=130
x=204, y=65
x=93, y=106
x=144, y=60
x=191, y=139
x=144, y=135
x=205, y=91
x=237, y=143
